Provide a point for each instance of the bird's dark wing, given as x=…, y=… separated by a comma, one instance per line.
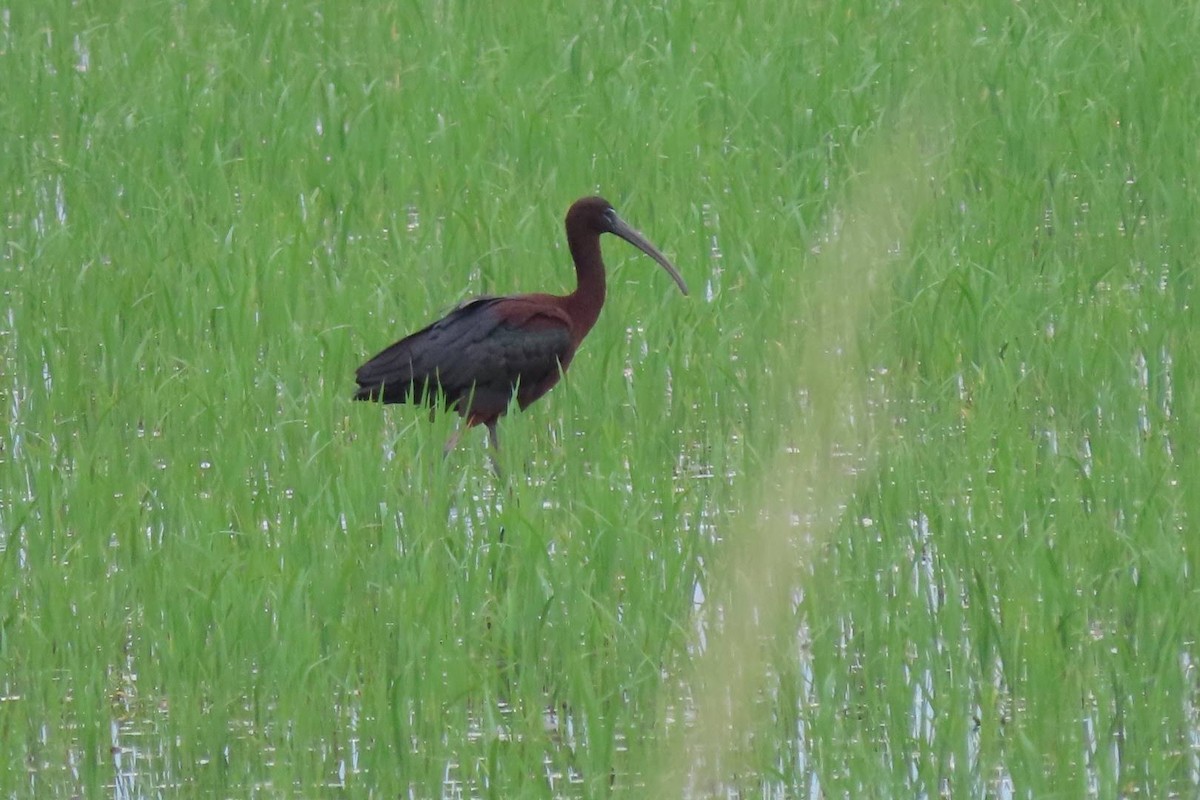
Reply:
x=480, y=352
x=413, y=364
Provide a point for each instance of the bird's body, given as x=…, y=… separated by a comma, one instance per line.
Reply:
x=488, y=350
x=477, y=357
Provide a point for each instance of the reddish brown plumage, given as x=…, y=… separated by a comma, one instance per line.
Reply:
x=488, y=350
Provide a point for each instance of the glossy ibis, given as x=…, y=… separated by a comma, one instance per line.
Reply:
x=489, y=349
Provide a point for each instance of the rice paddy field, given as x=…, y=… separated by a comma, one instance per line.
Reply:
x=901, y=501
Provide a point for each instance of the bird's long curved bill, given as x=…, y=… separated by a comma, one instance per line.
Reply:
x=622, y=229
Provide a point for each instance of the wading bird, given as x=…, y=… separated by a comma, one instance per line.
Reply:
x=489, y=349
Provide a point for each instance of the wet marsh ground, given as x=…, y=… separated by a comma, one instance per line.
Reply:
x=900, y=502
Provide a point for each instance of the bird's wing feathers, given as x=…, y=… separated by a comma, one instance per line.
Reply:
x=486, y=346
x=416, y=358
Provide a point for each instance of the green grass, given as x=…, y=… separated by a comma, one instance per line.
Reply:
x=924, y=435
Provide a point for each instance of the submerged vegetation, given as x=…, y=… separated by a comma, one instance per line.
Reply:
x=896, y=504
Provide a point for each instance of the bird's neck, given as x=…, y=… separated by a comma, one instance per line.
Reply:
x=583, y=305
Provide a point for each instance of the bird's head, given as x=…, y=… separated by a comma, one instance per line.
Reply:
x=597, y=215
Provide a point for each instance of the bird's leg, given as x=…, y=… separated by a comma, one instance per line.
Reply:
x=451, y=443
x=494, y=447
